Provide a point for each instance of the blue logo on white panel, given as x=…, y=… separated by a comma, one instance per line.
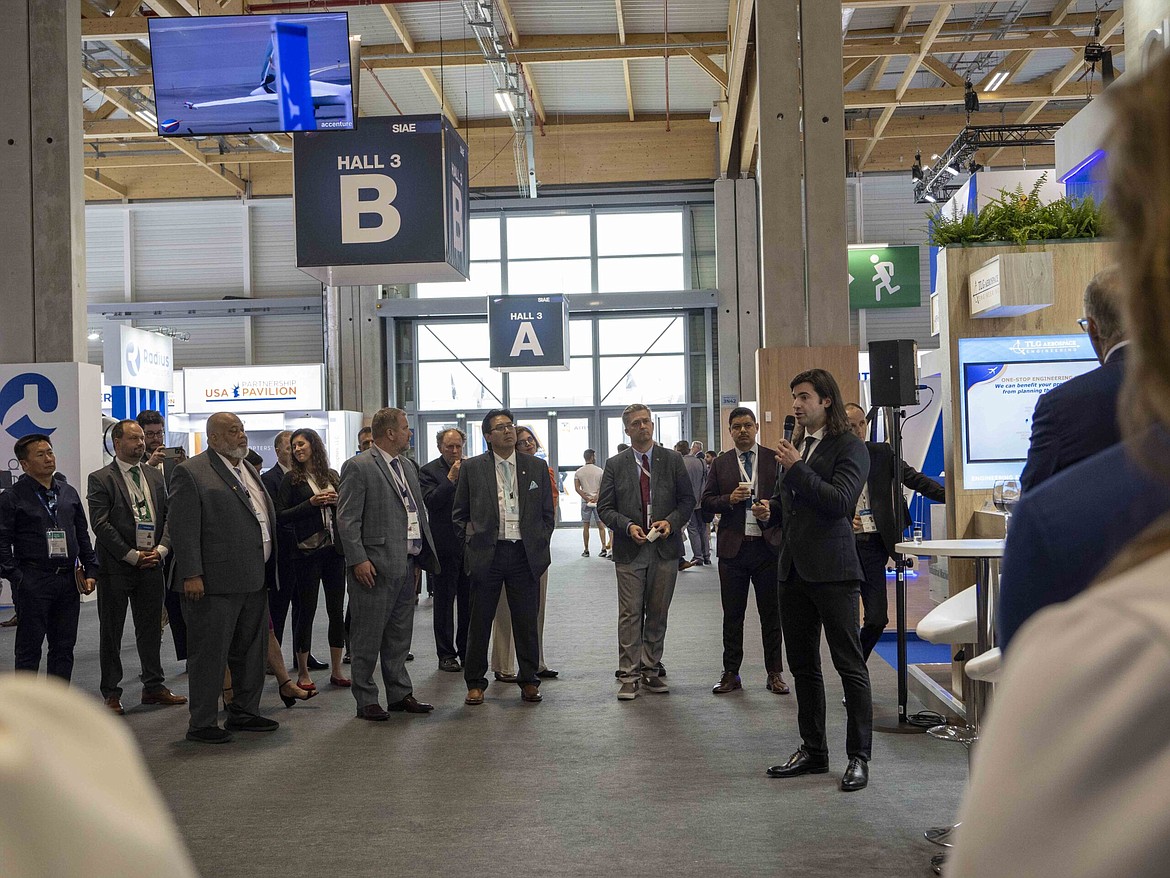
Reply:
x=25, y=401
x=133, y=359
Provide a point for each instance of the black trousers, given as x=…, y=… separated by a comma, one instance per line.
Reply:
x=452, y=591
x=871, y=551
x=509, y=570
x=47, y=608
x=754, y=565
x=143, y=591
x=804, y=608
x=284, y=597
x=323, y=568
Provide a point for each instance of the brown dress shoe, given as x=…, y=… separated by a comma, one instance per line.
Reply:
x=729, y=682
x=410, y=705
x=115, y=704
x=474, y=696
x=530, y=692
x=373, y=712
x=163, y=696
x=776, y=683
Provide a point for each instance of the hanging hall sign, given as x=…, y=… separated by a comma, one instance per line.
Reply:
x=528, y=333
x=385, y=202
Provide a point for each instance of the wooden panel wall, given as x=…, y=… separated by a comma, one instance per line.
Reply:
x=776, y=367
x=1073, y=265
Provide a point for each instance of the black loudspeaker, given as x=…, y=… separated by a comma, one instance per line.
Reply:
x=893, y=372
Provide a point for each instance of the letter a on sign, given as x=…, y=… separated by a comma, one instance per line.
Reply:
x=526, y=341
x=353, y=207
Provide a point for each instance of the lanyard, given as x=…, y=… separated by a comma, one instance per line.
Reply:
x=755, y=468
x=403, y=491
x=51, y=510
x=507, y=493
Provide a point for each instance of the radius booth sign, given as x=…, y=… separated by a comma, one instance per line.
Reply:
x=385, y=202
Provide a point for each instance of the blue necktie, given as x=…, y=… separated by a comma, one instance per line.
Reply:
x=747, y=462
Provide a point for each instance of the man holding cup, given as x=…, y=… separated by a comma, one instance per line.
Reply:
x=646, y=499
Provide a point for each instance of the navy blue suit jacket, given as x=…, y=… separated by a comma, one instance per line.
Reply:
x=1074, y=421
x=1066, y=532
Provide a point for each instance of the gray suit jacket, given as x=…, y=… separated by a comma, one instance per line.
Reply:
x=475, y=511
x=371, y=518
x=111, y=515
x=214, y=532
x=671, y=497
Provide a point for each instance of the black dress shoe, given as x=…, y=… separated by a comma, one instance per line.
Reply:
x=410, y=705
x=800, y=762
x=410, y=656
x=450, y=664
x=548, y=674
x=251, y=723
x=373, y=712
x=856, y=776
x=209, y=735
x=729, y=682
x=315, y=664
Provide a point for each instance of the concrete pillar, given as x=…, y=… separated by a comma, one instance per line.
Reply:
x=780, y=166
x=824, y=174
x=42, y=198
x=354, y=350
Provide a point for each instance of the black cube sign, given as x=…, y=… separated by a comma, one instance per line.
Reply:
x=528, y=333
x=385, y=202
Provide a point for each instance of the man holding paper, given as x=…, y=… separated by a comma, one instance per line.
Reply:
x=646, y=499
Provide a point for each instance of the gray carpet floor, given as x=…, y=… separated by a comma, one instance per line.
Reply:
x=579, y=785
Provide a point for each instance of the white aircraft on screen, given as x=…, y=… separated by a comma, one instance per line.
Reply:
x=324, y=93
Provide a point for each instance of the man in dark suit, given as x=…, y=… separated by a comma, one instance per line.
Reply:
x=646, y=499
x=223, y=526
x=747, y=552
x=43, y=539
x=697, y=530
x=503, y=517
x=875, y=524
x=451, y=587
x=386, y=536
x=819, y=573
x=1067, y=531
x=1079, y=418
x=128, y=511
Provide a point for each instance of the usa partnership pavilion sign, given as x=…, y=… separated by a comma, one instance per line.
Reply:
x=255, y=389
x=385, y=202
x=884, y=277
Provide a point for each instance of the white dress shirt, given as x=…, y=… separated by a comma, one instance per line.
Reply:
x=413, y=547
x=136, y=496
x=506, y=494
x=256, y=494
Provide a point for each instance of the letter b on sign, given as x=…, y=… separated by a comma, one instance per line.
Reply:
x=353, y=206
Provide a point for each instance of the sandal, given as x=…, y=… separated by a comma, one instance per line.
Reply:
x=290, y=700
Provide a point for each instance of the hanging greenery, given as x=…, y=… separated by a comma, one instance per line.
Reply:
x=1019, y=217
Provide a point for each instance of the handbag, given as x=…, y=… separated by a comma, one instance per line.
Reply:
x=319, y=540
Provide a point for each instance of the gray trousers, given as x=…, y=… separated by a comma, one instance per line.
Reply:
x=225, y=630
x=699, y=532
x=645, y=589
x=143, y=592
x=381, y=625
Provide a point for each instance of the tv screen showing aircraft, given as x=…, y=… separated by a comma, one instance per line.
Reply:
x=251, y=74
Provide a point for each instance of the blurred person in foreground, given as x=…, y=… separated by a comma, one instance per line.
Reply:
x=1070, y=777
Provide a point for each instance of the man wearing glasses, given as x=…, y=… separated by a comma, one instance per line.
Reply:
x=503, y=516
x=1079, y=418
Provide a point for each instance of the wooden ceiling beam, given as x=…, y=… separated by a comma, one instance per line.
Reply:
x=739, y=34
x=509, y=21
x=945, y=125
x=437, y=89
x=880, y=48
x=950, y=96
x=153, y=158
x=106, y=183
x=399, y=26
x=116, y=129
x=621, y=23
x=703, y=60
x=1036, y=23
x=943, y=72
x=883, y=63
x=855, y=69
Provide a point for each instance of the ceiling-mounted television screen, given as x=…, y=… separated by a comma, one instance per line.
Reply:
x=251, y=74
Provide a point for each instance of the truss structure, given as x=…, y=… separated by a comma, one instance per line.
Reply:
x=938, y=182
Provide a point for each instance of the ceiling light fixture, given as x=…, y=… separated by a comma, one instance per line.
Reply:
x=504, y=99
x=997, y=79
x=716, y=111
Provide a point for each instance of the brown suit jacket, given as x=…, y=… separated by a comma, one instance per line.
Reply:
x=722, y=479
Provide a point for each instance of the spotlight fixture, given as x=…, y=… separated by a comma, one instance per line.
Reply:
x=926, y=196
x=916, y=168
x=94, y=335
x=970, y=98
x=974, y=167
x=716, y=111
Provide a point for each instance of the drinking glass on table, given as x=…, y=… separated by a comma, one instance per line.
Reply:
x=1005, y=494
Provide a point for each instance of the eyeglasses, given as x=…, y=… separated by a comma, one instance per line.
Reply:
x=502, y=428
x=1083, y=323
x=527, y=440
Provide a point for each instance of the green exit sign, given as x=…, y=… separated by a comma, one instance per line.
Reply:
x=884, y=277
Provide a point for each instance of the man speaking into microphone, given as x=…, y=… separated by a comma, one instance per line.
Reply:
x=822, y=472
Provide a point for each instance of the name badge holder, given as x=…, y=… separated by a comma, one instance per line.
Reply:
x=751, y=524
x=144, y=535
x=868, y=523
x=413, y=531
x=58, y=545
x=511, y=525
x=413, y=528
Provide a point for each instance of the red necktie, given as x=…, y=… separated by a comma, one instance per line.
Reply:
x=644, y=481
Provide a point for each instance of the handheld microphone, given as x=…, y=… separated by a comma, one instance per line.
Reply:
x=789, y=426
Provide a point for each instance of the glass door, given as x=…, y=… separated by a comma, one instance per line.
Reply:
x=574, y=435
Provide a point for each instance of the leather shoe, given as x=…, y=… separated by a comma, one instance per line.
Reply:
x=729, y=682
x=800, y=762
x=548, y=674
x=373, y=712
x=315, y=664
x=531, y=692
x=474, y=697
x=856, y=776
x=410, y=705
x=504, y=678
x=685, y=565
x=776, y=683
x=209, y=735
x=163, y=696
x=250, y=723
x=410, y=656
x=114, y=703
x=450, y=664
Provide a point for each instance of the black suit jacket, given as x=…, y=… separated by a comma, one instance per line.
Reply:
x=295, y=512
x=723, y=477
x=439, y=496
x=883, y=494
x=1075, y=421
x=475, y=512
x=814, y=505
x=112, y=517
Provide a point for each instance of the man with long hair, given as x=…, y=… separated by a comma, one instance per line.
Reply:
x=822, y=473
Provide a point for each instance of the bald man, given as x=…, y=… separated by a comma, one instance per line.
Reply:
x=223, y=533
